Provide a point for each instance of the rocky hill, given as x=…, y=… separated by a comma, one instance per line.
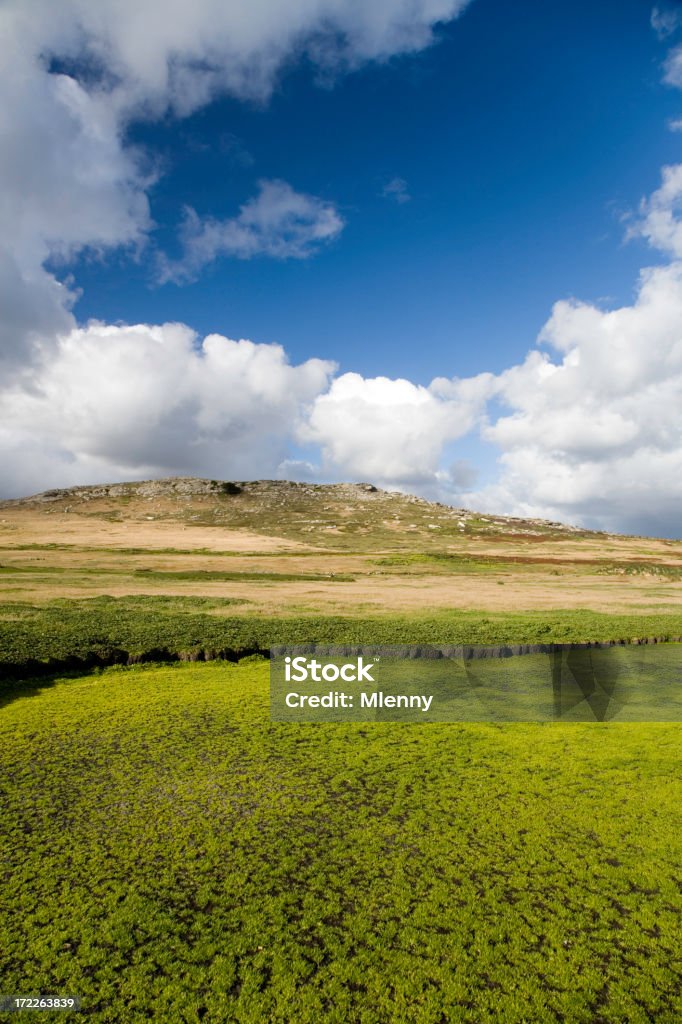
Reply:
x=263, y=547
x=326, y=514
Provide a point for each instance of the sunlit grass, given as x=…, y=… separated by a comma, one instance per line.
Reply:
x=171, y=855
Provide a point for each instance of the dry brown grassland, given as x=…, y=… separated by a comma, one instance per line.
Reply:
x=280, y=548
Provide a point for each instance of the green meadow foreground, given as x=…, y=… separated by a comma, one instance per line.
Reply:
x=171, y=855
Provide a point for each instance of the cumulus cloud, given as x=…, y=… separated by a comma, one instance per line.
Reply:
x=160, y=54
x=130, y=402
x=278, y=222
x=74, y=75
x=591, y=425
x=103, y=402
x=392, y=432
x=588, y=425
x=595, y=436
x=65, y=184
x=140, y=401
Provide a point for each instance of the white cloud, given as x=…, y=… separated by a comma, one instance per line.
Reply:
x=665, y=21
x=659, y=221
x=396, y=189
x=65, y=183
x=140, y=401
x=130, y=402
x=392, y=432
x=278, y=222
x=596, y=437
x=180, y=54
x=673, y=67
x=103, y=402
x=589, y=430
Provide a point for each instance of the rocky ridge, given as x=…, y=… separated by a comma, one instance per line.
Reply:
x=321, y=506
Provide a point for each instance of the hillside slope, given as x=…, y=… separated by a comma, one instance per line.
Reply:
x=328, y=514
x=270, y=547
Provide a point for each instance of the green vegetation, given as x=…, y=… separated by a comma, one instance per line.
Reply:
x=456, y=562
x=668, y=572
x=452, y=562
x=185, y=552
x=447, y=559
x=76, y=628
x=173, y=856
x=179, y=575
x=207, y=575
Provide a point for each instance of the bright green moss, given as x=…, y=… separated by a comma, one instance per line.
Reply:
x=170, y=855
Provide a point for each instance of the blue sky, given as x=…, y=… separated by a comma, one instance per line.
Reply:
x=522, y=136
x=455, y=170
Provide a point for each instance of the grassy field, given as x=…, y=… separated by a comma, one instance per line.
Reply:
x=171, y=855
x=164, y=626
x=275, y=549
